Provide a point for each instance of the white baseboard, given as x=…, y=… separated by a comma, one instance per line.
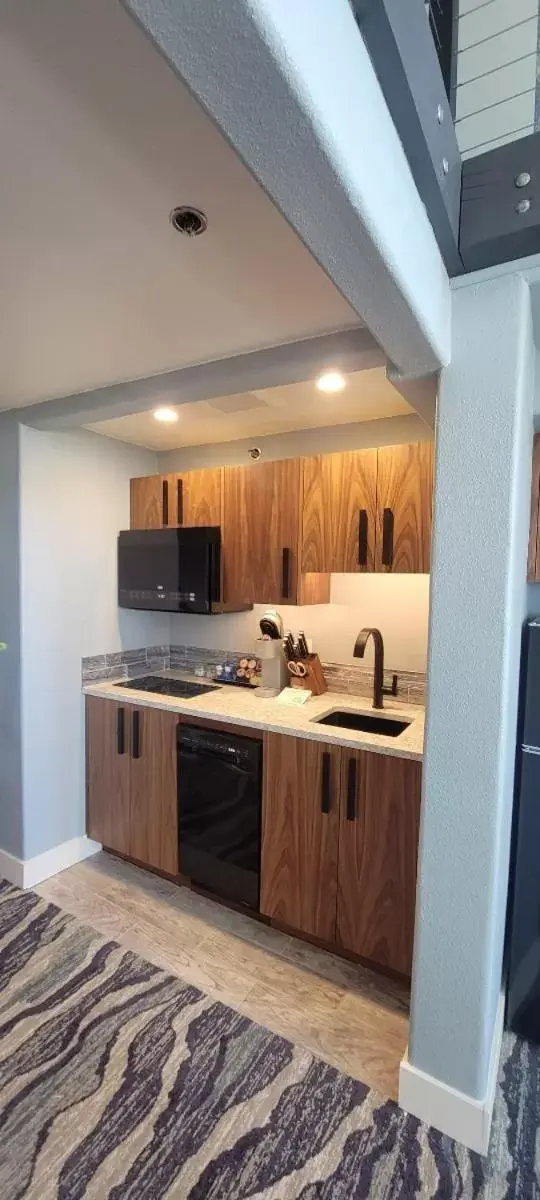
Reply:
x=454, y=1113
x=11, y=868
x=26, y=873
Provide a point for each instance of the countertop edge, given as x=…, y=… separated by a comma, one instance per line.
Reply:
x=352, y=740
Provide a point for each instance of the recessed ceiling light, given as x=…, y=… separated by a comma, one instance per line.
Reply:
x=330, y=381
x=189, y=221
x=168, y=415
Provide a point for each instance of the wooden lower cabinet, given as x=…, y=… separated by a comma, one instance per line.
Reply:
x=107, y=773
x=131, y=781
x=378, y=847
x=339, y=847
x=154, y=793
x=300, y=834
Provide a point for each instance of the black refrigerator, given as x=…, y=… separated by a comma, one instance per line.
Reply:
x=523, y=994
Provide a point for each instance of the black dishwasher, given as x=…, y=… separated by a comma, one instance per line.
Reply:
x=219, y=812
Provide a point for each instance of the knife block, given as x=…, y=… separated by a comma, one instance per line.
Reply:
x=314, y=680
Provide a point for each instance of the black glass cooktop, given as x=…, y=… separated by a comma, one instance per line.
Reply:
x=182, y=688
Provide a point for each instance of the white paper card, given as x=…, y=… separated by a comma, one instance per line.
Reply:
x=294, y=696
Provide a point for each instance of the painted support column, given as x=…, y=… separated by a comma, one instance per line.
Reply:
x=478, y=604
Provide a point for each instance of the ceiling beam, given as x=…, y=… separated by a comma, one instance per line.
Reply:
x=420, y=393
x=292, y=87
x=295, y=362
x=500, y=220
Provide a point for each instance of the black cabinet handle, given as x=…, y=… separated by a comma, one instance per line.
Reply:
x=388, y=538
x=325, y=785
x=120, y=731
x=351, y=790
x=136, y=734
x=165, y=501
x=286, y=572
x=362, y=537
x=180, y=501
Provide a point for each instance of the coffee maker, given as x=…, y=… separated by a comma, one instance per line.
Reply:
x=269, y=648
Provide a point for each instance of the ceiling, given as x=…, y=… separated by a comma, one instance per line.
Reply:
x=367, y=396
x=98, y=142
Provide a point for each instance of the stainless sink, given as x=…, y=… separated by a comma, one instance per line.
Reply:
x=364, y=722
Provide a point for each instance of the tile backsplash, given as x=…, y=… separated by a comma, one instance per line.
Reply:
x=346, y=678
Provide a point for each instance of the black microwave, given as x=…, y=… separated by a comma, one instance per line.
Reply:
x=170, y=570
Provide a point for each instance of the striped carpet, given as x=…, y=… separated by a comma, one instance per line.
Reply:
x=117, y=1080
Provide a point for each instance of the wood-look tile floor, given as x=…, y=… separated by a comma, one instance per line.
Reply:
x=351, y=1017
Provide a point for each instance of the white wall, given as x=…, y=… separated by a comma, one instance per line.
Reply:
x=74, y=498
x=495, y=73
x=396, y=604
x=482, y=501
x=10, y=720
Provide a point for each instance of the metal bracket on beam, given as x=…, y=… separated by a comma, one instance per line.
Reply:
x=500, y=209
x=401, y=47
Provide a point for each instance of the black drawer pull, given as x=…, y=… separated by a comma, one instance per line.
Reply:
x=120, y=731
x=362, y=537
x=180, y=501
x=286, y=573
x=136, y=734
x=388, y=538
x=325, y=785
x=351, y=790
x=165, y=501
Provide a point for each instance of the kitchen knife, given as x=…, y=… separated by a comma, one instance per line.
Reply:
x=288, y=645
x=302, y=645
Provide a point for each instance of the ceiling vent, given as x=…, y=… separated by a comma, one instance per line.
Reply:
x=243, y=402
x=189, y=221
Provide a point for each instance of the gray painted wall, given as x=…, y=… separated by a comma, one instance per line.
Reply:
x=10, y=741
x=354, y=436
x=74, y=499
x=484, y=440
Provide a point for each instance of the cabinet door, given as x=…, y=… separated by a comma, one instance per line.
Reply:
x=261, y=531
x=274, y=530
x=300, y=834
x=378, y=846
x=237, y=573
x=149, y=499
x=404, y=500
x=197, y=498
x=338, y=517
x=107, y=773
x=154, y=803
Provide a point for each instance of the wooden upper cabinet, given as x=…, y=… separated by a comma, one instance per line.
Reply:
x=339, y=511
x=378, y=848
x=199, y=499
x=300, y=834
x=147, y=501
x=261, y=534
x=404, y=502
x=533, y=564
x=154, y=794
x=108, y=810
x=287, y=525
x=189, y=498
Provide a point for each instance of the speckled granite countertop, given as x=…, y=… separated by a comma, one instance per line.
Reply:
x=237, y=706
